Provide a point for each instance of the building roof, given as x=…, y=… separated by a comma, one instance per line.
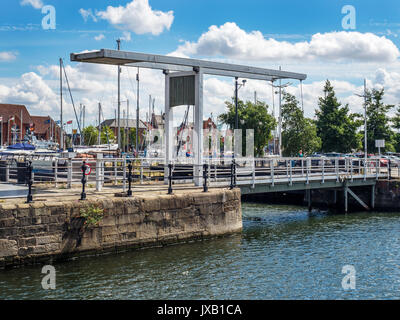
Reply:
x=130, y=123
x=9, y=110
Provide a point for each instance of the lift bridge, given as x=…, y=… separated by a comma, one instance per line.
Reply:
x=184, y=86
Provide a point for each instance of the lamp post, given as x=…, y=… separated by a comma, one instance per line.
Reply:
x=365, y=119
x=280, y=86
x=237, y=87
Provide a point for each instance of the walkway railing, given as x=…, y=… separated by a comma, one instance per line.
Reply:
x=67, y=173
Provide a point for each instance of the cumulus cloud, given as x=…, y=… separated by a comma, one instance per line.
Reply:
x=86, y=14
x=137, y=16
x=126, y=36
x=229, y=41
x=7, y=56
x=37, y=4
x=32, y=91
x=99, y=37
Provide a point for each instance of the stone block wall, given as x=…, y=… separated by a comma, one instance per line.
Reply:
x=45, y=231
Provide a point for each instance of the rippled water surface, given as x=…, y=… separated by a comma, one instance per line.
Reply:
x=283, y=253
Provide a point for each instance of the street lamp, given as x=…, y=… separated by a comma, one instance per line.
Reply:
x=365, y=118
x=280, y=86
x=237, y=87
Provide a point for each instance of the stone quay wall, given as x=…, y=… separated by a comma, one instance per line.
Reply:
x=52, y=230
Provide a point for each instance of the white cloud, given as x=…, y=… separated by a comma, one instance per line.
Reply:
x=99, y=37
x=32, y=91
x=126, y=36
x=37, y=4
x=138, y=17
x=86, y=14
x=230, y=41
x=7, y=56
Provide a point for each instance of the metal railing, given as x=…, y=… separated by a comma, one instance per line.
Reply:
x=226, y=172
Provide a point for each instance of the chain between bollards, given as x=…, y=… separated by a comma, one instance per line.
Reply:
x=169, y=178
x=29, y=171
x=205, y=169
x=129, y=193
x=84, y=167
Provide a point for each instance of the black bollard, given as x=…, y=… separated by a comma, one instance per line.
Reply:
x=84, y=167
x=170, y=178
x=232, y=173
x=205, y=169
x=29, y=170
x=129, y=194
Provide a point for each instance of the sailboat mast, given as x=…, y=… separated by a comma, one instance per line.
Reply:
x=61, y=110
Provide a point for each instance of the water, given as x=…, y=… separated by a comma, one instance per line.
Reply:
x=283, y=253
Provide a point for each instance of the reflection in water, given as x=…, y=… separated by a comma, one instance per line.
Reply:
x=283, y=253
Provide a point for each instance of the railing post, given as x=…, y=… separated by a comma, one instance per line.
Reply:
x=56, y=172
x=365, y=170
x=99, y=167
x=337, y=169
x=115, y=171
x=124, y=174
x=205, y=169
x=291, y=179
x=84, y=167
x=254, y=174
x=29, y=171
x=272, y=171
x=351, y=169
x=287, y=169
x=308, y=170
x=129, y=193
x=323, y=170
x=7, y=172
x=170, y=178
x=69, y=174
x=141, y=171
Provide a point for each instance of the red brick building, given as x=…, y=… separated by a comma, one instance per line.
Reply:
x=15, y=116
x=45, y=128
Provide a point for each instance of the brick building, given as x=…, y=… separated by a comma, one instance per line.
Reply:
x=15, y=116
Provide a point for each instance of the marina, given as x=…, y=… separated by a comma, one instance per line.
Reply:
x=218, y=152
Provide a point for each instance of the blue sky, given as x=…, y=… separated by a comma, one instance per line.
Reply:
x=259, y=33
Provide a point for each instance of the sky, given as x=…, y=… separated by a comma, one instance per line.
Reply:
x=321, y=38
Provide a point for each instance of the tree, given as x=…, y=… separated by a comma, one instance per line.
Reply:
x=378, y=122
x=90, y=134
x=251, y=116
x=396, y=125
x=107, y=135
x=336, y=126
x=298, y=132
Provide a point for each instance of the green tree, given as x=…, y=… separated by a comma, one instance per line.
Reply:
x=298, y=132
x=396, y=125
x=378, y=121
x=90, y=134
x=336, y=126
x=106, y=131
x=251, y=116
